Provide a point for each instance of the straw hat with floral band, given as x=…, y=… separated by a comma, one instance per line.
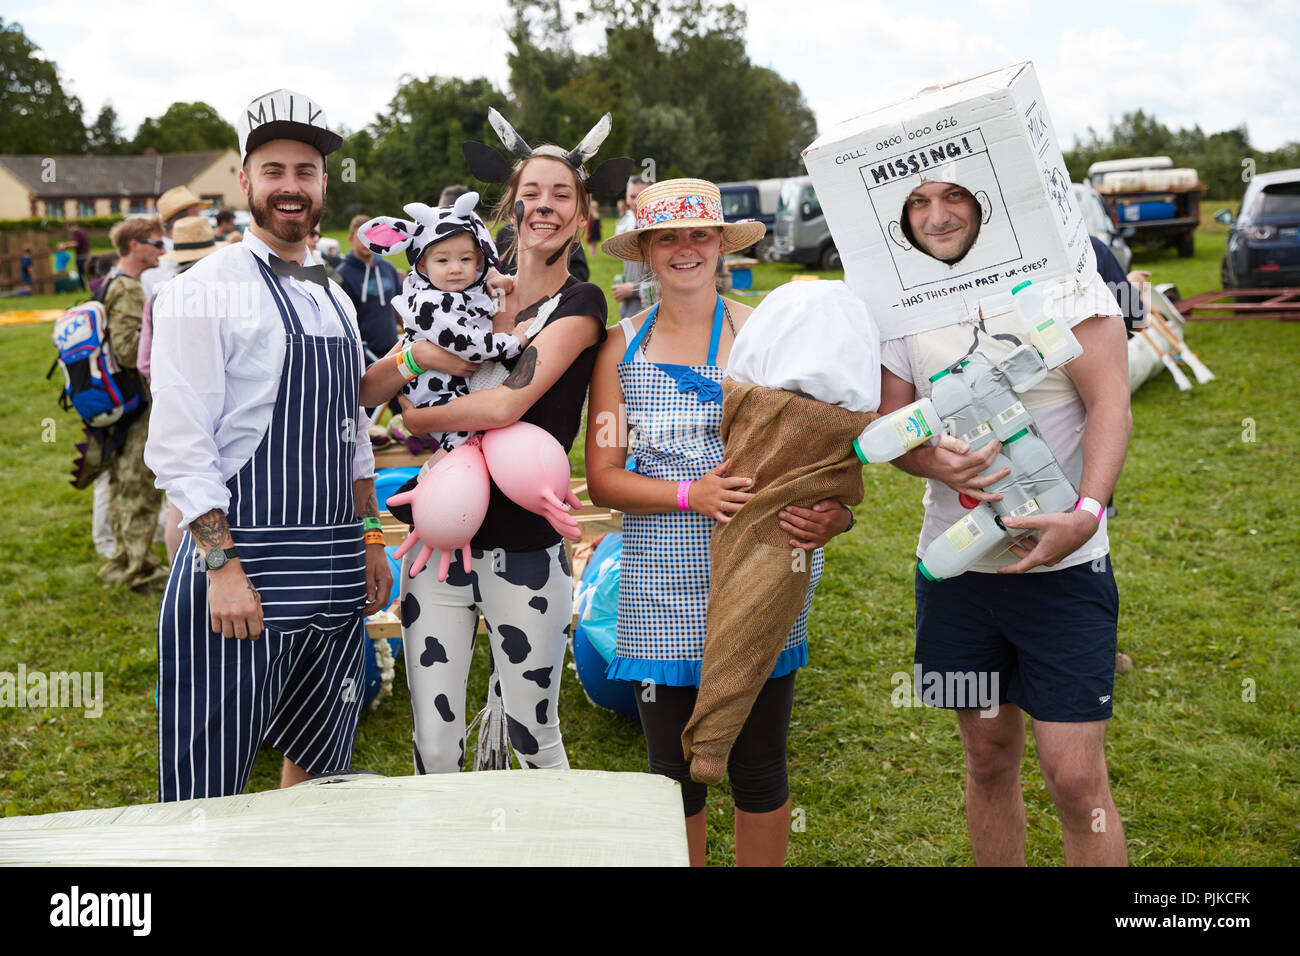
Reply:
x=682, y=204
x=192, y=239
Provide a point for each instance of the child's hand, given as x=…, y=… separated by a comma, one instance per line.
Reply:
x=718, y=496
x=499, y=285
x=432, y=357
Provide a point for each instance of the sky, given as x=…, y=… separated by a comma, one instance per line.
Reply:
x=1218, y=63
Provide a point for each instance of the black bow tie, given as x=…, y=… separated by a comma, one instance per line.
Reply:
x=294, y=271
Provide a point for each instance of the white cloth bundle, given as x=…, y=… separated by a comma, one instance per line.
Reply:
x=814, y=338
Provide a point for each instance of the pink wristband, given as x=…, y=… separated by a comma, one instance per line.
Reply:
x=683, y=495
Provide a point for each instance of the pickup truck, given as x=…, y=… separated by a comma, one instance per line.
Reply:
x=1151, y=203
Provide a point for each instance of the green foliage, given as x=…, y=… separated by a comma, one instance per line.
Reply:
x=36, y=115
x=412, y=150
x=676, y=78
x=1219, y=158
x=44, y=224
x=104, y=136
x=185, y=128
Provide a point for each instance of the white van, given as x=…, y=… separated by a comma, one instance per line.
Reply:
x=801, y=233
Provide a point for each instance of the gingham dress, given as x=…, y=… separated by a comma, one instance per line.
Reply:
x=674, y=417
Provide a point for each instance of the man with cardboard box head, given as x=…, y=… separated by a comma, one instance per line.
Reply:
x=948, y=214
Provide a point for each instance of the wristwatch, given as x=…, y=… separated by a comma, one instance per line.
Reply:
x=217, y=557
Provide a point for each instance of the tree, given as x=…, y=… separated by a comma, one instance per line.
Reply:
x=104, y=137
x=412, y=150
x=677, y=79
x=36, y=115
x=185, y=127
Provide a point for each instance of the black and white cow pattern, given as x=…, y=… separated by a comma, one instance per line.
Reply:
x=527, y=600
x=460, y=322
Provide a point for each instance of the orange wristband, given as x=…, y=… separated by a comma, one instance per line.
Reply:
x=374, y=537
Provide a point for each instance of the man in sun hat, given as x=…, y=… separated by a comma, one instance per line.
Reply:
x=175, y=204
x=261, y=443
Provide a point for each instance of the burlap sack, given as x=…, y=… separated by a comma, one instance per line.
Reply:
x=798, y=451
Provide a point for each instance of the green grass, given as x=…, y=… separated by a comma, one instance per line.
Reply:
x=1204, y=551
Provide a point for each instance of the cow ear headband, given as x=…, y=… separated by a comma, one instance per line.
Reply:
x=489, y=166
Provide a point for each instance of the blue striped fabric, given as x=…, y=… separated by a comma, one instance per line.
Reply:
x=292, y=517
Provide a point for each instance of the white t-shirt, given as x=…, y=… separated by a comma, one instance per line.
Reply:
x=1057, y=409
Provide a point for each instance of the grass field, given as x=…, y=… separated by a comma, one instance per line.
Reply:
x=1202, y=749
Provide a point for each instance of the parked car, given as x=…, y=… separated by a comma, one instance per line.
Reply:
x=1100, y=224
x=752, y=199
x=1263, y=246
x=801, y=231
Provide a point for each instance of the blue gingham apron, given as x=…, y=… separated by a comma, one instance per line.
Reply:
x=674, y=417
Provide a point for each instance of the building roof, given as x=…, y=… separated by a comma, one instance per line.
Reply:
x=96, y=176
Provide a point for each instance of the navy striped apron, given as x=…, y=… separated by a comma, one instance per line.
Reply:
x=293, y=520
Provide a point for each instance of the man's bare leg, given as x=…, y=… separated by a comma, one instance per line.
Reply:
x=1073, y=759
x=995, y=806
x=291, y=773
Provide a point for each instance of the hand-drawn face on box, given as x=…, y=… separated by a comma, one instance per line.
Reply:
x=942, y=210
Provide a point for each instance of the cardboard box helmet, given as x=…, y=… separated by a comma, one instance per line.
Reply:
x=948, y=198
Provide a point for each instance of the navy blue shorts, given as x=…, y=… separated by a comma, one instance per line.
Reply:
x=1045, y=642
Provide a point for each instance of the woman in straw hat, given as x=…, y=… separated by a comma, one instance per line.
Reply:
x=664, y=366
x=192, y=240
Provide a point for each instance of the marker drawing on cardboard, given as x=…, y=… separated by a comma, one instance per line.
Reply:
x=948, y=199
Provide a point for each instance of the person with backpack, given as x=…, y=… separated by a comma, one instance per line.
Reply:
x=134, y=502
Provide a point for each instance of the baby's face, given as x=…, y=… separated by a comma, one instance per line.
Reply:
x=453, y=264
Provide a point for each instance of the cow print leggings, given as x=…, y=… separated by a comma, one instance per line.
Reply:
x=526, y=598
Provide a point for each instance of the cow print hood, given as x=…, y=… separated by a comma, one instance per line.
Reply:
x=428, y=226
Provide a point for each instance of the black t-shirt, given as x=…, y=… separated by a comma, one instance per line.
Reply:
x=559, y=411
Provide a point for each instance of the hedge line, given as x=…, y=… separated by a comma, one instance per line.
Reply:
x=49, y=224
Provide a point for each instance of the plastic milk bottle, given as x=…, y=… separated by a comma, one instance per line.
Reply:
x=1006, y=413
x=963, y=416
x=1035, y=468
x=976, y=535
x=1048, y=332
x=898, y=432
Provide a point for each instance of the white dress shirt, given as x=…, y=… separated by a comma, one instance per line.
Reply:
x=218, y=351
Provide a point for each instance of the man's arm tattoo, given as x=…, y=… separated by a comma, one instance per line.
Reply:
x=369, y=507
x=210, y=530
x=525, y=368
x=253, y=591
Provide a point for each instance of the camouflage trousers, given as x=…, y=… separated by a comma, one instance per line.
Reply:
x=133, y=514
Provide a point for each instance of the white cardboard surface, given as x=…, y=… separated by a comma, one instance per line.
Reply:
x=991, y=134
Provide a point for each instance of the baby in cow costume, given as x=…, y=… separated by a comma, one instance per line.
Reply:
x=444, y=299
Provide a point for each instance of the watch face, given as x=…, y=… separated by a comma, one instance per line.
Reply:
x=216, y=558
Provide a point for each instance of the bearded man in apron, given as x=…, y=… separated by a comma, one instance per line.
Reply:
x=260, y=440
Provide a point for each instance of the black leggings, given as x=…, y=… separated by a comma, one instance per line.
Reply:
x=756, y=768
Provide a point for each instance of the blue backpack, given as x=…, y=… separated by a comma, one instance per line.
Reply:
x=101, y=391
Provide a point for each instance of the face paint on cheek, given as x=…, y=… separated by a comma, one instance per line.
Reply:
x=519, y=214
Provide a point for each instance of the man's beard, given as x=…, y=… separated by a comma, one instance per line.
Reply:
x=265, y=217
